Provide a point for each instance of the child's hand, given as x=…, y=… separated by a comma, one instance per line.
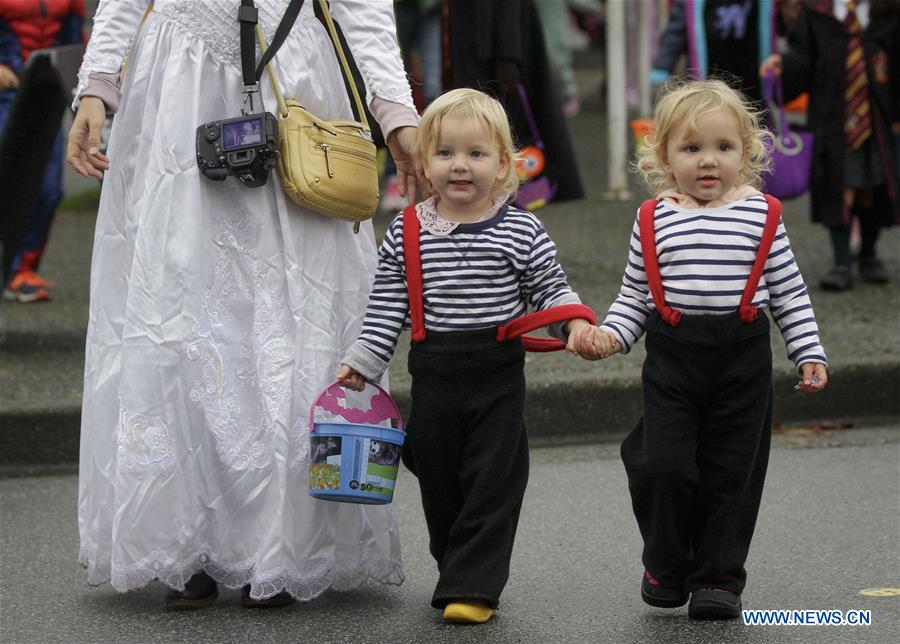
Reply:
x=814, y=377
x=606, y=344
x=580, y=343
x=349, y=378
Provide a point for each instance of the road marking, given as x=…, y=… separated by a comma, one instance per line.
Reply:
x=880, y=592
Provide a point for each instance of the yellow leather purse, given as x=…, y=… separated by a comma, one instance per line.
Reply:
x=326, y=165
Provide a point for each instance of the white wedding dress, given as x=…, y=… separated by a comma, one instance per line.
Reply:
x=217, y=314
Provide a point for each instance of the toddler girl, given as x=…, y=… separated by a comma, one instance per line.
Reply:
x=483, y=262
x=705, y=257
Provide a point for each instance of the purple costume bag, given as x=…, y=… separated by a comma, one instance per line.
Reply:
x=791, y=150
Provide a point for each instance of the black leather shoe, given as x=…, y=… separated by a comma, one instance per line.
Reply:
x=281, y=599
x=199, y=592
x=714, y=603
x=838, y=278
x=872, y=270
x=661, y=596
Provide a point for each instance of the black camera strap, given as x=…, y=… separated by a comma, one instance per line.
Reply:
x=248, y=16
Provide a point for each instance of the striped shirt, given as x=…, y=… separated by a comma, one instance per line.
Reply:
x=705, y=257
x=480, y=275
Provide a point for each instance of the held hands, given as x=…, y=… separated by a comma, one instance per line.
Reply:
x=350, y=379
x=590, y=342
x=401, y=143
x=8, y=78
x=83, y=147
x=813, y=377
x=771, y=64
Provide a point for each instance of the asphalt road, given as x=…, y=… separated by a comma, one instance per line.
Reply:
x=828, y=529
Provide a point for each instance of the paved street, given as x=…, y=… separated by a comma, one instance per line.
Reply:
x=828, y=528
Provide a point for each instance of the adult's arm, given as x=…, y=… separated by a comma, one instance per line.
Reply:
x=371, y=33
x=797, y=61
x=672, y=44
x=116, y=24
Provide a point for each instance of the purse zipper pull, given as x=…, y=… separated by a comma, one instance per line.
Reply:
x=325, y=147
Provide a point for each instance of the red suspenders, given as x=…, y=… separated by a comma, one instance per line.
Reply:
x=513, y=329
x=671, y=316
x=413, y=263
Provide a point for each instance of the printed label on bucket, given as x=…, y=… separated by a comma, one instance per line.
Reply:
x=376, y=467
x=325, y=463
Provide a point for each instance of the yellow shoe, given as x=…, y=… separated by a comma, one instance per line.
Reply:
x=468, y=612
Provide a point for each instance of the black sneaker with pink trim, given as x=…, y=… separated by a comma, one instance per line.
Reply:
x=714, y=603
x=655, y=594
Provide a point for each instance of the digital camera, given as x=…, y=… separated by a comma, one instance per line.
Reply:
x=245, y=147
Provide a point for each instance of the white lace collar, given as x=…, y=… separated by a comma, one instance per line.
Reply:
x=431, y=221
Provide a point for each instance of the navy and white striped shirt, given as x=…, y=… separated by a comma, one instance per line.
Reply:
x=705, y=257
x=479, y=276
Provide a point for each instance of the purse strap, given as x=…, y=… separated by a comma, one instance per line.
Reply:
x=532, y=125
x=773, y=94
x=252, y=72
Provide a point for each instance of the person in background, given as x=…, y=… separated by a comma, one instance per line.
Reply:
x=846, y=54
x=725, y=39
x=494, y=46
x=559, y=33
x=25, y=26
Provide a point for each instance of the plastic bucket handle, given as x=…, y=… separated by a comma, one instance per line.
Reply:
x=381, y=407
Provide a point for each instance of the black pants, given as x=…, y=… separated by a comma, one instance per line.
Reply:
x=697, y=459
x=466, y=443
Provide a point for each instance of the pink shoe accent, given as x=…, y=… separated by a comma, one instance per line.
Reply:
x=651, y=579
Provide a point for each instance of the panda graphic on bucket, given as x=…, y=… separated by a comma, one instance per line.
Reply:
x=355, y=461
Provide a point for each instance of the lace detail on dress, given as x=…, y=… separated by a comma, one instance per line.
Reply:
x=144, y=443
x=217, y=29
x=243, y=384
x=431, y=221
x=371, y=569
x=299, y=442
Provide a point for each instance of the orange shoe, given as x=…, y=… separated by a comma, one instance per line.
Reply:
x=472, y=611
x=26, y=287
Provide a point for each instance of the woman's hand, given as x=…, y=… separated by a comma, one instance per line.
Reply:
x=83, y=148
x=771, y=64
x=349, y=378
x=402, y=143
x=8, y=78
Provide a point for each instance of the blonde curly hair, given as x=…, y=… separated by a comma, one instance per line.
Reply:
x=685, y=101
x=469, y=103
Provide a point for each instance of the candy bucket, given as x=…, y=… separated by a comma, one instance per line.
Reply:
x=354, y=461
x=641, y=128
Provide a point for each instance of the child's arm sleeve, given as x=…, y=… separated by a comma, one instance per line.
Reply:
x=544, y=281
x=627, y=316
x=790, y=304
x=387, y=311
